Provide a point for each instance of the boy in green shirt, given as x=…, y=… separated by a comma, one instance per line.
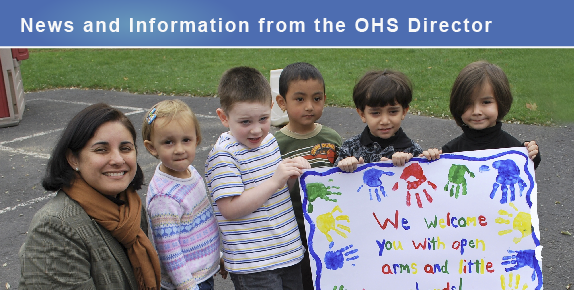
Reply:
x=302, y=95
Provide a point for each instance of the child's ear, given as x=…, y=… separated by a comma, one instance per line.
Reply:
x=362, y=114
x=281, y=102
x=222, y=117
x=405, y=110
x=150, y=148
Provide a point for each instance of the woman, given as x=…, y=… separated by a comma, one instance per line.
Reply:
x=90, y=235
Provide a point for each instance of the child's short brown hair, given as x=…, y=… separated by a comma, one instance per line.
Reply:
x=382, y=88
x=242, y=84
x=470, y=79
x=169, y=109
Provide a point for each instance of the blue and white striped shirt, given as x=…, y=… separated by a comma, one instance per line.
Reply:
x=268, y=238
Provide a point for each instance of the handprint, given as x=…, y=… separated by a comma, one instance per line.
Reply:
x=319, y=190
x=510, y=286
x=521, y=223
x=340, y=288
x=326, y=223
x=524, y=258
x=508, y=176
x=414, y=176
x=334, y=260
x=372, y=178
x=456, y=176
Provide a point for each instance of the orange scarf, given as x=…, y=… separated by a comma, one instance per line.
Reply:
x=123, y=222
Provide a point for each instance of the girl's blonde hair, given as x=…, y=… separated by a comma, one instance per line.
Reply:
x=168, y=109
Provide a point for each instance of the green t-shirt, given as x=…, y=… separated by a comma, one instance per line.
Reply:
x=319, y=147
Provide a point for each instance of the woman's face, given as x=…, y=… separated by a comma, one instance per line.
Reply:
x=108, y=161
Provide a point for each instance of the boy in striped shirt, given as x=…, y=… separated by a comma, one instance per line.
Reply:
x=248, y=181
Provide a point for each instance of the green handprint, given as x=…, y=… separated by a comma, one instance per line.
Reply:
x=319, y=190
x=340, y=288
x=456, y=176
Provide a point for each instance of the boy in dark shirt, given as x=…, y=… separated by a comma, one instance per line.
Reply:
x=382, y=100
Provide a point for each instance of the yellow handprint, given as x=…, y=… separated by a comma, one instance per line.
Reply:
x=327, y=222
x=510, y=286
x=521, y=223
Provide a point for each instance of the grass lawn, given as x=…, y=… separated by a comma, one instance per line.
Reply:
x=542, y=80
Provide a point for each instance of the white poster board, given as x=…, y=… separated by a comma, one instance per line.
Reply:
x=466, y=221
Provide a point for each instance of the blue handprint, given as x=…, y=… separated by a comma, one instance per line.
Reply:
x=334, y=259
x=521, y=259
x=372, y=178
x=508, y=176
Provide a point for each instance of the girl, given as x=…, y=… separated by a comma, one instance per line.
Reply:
x=184, y=228
x=479, y=99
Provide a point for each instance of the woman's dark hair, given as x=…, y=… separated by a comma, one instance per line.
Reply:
x=78, y=132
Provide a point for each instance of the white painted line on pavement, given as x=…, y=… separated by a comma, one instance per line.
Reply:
x=139, y=110
x=32, y=201
x=204, y=148
x=88, y=104
x=206, y=116
x=61, y=101
x=20, y=151
x=134, y=110
x=31, y=136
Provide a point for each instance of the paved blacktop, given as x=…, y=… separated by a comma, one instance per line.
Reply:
x=25, y=149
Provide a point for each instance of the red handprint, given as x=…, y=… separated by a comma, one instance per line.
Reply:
x=418, y=178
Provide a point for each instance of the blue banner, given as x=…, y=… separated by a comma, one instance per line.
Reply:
x=371, y=23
